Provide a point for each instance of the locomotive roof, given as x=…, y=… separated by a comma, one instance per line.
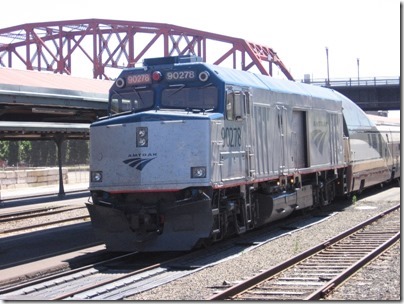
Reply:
x=277, y=86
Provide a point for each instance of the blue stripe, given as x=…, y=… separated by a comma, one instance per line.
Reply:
x=155, y=116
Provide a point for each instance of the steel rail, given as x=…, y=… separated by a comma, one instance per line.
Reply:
x=16, y=216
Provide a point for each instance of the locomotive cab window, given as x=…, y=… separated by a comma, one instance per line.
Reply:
x=133, y=101
x=235, y=105
x=182, y=97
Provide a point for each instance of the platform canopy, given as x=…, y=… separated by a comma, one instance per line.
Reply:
x=47, y=97
x=25, y=130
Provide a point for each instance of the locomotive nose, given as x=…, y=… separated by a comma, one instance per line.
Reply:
x=170, y=154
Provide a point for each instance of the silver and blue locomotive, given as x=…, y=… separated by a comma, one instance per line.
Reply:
x=192, y=153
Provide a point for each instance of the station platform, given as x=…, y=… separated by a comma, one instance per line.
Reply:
x=30, y=192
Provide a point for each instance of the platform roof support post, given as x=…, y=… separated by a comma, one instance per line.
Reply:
x=59, y=138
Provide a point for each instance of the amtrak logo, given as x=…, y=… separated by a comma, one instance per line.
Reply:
x=319, y=138
x=137, y=162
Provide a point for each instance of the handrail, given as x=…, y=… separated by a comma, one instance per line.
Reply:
x=348, y=82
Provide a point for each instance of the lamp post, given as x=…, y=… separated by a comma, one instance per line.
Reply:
x=328, y=68
x=357, y=61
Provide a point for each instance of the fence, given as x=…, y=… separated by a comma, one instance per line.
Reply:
x=371, y=81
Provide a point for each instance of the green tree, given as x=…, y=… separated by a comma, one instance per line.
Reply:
x=4, y=144
x=77, y=152
x=39, y=153
x=13, y=153
x=24, y=149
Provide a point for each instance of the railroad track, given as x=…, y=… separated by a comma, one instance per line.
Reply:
x=317, y=271
x=18, y=218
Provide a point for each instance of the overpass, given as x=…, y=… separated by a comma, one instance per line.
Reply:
x=107, y=45
x=370, y=94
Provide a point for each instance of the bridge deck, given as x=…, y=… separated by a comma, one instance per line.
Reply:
x=370, y=94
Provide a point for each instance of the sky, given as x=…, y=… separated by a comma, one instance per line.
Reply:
x=298, y=30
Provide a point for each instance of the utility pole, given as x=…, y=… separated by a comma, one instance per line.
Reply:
x=328, y=68
x=357, y=61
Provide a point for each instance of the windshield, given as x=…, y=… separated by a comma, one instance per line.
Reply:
x=190, y=97
x=133, y=101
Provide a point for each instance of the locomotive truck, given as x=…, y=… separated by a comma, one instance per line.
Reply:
x=192, y=153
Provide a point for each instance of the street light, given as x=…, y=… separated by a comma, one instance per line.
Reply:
x=328, y=68
x=357, y=61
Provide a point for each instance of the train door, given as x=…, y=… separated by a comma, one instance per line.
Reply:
x=233, y=155
x=237, y=136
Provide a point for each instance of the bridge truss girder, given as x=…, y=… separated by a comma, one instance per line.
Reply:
x=108, y=44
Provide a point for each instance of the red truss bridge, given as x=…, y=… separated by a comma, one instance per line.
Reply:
x=100, y=46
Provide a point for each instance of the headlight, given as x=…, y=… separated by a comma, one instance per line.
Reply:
x=203, y=76
x=198, y=172
x=120, y=83
x=96, y=176
x=142, y=137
